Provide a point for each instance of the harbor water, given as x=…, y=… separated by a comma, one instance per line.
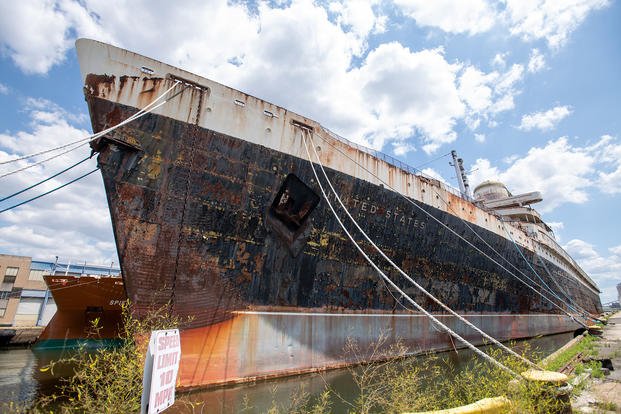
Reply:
x=21, y=380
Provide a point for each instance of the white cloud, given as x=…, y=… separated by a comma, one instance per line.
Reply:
x=479, y=138
x=609, y=154
x=507, y=80
x=77, y=215
x=548, y=19
x=536, y=61
x=37, y=34
x=510, y=159
x=475, y=88
x=33, y=51
x=605, y=270
x=405, y=92
x=544, y=120
x=4, y=90
x=182, y=35
x=610, y=183
x=487, y=94
x=294, y=55
x=500, y=60
x=562, y=172
x=359, y=16
x=531, y=20
x=400, y=148
x=464, y=16
x=311, y=57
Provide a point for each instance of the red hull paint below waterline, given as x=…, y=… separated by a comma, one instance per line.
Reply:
x=79, y=301
x=259, y=345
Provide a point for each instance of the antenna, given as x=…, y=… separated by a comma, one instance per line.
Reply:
x=462, y=179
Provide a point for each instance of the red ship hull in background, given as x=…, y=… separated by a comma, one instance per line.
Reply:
x=81, y=300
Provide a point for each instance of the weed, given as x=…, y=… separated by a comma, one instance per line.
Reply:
x=586, y=346
x=607, y=406
x=107, y=380
x=301, y=402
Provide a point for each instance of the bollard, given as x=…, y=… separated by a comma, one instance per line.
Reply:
x=550, y=386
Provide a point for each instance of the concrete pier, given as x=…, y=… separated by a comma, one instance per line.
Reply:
x=604, y=395
x=19, y=335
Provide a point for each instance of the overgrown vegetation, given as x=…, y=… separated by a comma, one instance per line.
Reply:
x=432, y=382
x=108, y=380
x=301, y=402
x=585, y=346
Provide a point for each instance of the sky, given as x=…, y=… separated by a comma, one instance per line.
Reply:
x=526, y=91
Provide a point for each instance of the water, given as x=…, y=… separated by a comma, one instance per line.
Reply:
x=21, y=380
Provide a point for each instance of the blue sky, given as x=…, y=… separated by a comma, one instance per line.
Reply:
x=527, y=92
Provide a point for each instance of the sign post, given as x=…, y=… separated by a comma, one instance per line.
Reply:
x=160, y=371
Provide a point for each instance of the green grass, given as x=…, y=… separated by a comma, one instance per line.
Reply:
x=586, y=346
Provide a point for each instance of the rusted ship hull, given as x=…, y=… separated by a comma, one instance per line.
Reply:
x=259, y=345
x=216, y=210
x=79, y=301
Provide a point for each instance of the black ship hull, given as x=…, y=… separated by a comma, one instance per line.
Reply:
x=235, y=235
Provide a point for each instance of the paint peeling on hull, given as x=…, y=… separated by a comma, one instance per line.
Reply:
x=195, y=234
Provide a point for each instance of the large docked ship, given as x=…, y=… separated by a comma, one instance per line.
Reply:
x=217, y=212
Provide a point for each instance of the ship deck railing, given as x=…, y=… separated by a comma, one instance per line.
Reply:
x=557, y=247
x=397, y=163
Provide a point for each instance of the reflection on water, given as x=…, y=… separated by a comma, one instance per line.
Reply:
x=21, y=380
x=17, y=370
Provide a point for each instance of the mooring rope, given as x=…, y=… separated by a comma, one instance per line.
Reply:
x=49, y=192
x=43, y=181
x=92, y=137
x=389, y=281
x=537, y=274
x=453, y=231
x=534, y=282
x=142, y=112
x=407, y=277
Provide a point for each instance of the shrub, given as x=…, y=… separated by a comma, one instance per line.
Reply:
x=108, y=380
